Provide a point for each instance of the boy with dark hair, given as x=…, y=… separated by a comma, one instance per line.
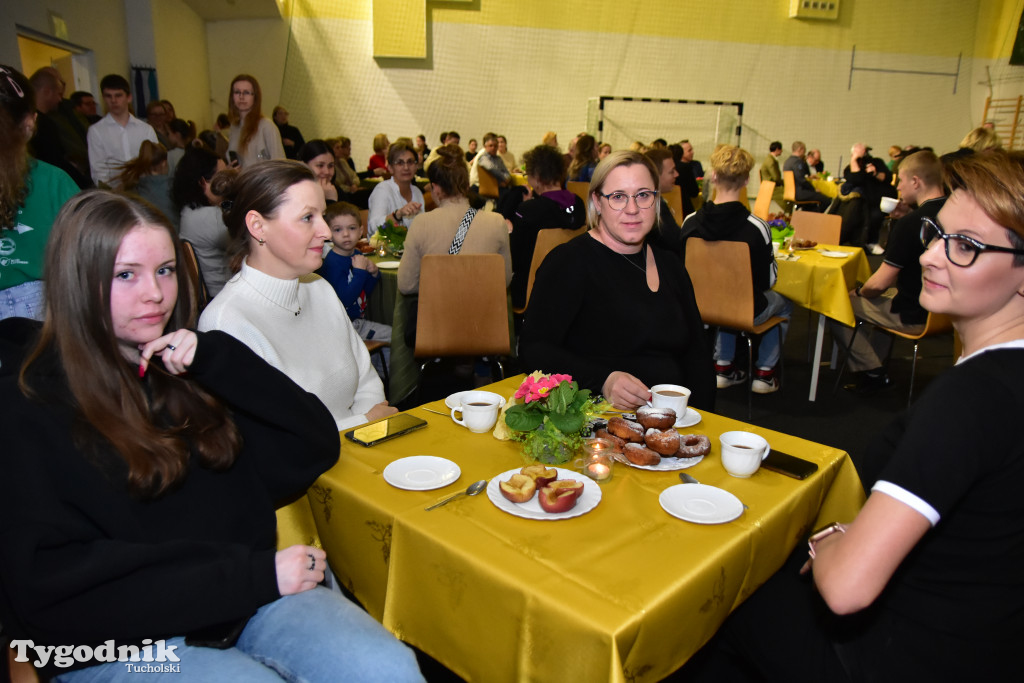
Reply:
x=352, y=275
x=116, y=138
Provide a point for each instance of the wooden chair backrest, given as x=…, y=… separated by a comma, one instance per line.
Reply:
x=463, y=306
x=202, y=295
x=487, y=184
x=823, y=228
x=428, y=201
x=674, y=199
x=364, y=219
x=578, y=188
x=763, y=203
x=788, y=186
x=937, y=323
x=722, y=282
x=547, y=240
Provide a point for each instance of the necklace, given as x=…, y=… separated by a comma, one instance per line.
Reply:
x=643, y=256
x=255, y=289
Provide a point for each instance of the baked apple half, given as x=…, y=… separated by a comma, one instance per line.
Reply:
x=518, y=489
x=542, y=475
x=560, y=495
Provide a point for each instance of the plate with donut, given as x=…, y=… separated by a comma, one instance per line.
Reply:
x=651, y=443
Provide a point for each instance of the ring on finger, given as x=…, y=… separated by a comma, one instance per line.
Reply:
x=312, y=561
x=172, y=347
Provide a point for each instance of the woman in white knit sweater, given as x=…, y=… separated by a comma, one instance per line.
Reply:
x=277, y=306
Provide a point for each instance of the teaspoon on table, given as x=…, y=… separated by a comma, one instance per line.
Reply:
x=474, y=488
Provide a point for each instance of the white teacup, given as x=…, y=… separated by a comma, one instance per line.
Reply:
x=670, y=396
x=887, y=204
x=742, y=453
x=479, y=411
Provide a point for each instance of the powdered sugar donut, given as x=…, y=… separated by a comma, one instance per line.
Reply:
x=638, y=454
x=655, y=418
x=663, y=442
x=624, y=429
x=693, y=445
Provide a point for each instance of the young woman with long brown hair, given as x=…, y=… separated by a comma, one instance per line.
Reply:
x=252, y=136
x=143, y=462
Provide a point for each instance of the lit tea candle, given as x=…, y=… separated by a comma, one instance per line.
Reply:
x=598, y=471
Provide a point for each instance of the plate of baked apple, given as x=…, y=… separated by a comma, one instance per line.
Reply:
x=542, y=492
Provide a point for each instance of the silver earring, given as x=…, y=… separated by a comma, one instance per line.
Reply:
x=261, y=241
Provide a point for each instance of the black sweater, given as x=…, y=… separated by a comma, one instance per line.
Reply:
x=591, y=313
x=82, y=560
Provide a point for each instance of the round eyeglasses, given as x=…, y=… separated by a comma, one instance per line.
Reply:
x=620, y=200
x=961, y=250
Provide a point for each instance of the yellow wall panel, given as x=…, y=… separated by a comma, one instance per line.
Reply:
x=400, y=28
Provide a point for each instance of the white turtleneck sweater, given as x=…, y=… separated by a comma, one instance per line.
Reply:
x=317, y=349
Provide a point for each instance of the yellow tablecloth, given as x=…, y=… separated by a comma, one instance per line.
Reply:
x=625, y=592
x=826, y=187
x=822, y=283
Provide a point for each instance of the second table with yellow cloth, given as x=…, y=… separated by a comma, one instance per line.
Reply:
x=822, y=284
x=625, y=592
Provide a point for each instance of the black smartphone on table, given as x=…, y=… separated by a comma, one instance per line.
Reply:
x=383, y=430
x=789, y=465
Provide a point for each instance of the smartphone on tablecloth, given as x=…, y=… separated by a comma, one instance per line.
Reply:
x=789, y=465
x=384, y=430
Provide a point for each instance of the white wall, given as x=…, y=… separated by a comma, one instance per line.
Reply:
x=255, y=47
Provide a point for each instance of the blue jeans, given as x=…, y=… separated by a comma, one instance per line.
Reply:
x=313, y=636
x=27, y=300
x=770, y=349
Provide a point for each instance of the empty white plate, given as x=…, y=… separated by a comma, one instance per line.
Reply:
x=421, y=473
x=388, y=265
x=832, y=253
x=700, y=503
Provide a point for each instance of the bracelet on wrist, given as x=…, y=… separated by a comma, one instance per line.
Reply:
x=833, y=528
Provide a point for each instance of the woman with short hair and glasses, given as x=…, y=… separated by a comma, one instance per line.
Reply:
x=397, y=197
x=926, y=582
x=614, y=312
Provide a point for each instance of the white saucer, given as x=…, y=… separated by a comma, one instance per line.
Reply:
x=691, y=418
x=832, y=253
x=389, y=265
x=421, y=473
x=700, y=504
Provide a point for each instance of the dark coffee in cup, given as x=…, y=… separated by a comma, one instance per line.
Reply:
x=671, y=393
x=479, y=403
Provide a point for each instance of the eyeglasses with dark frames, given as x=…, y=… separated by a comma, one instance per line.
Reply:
x=961, y=250
x=644, y=199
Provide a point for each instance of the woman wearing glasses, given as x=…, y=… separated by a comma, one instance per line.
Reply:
x=929, y=573
x=252, y=136
x=612, y=311
x=397, y=197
